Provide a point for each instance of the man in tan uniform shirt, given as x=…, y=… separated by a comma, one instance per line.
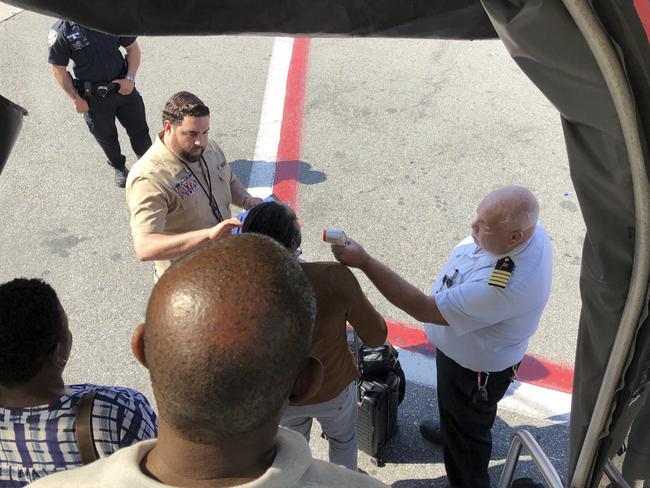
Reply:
x=179, y=193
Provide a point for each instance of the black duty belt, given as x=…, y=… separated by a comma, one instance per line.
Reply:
x=100, y=89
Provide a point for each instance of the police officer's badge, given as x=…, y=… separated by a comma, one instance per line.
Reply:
x=51, y=37
x=501, y=273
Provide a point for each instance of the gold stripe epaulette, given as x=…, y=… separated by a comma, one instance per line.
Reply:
x=502, y=272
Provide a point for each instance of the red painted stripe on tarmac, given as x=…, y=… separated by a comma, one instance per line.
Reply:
x=533, y=370
x=540, y=372
x=287, y=169
x=643, y=11
x=410, y=338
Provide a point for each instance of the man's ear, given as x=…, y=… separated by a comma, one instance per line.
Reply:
x=137, y=345
x=167, y=126
x=308, y=382
x=518, y=237
x=56, y=357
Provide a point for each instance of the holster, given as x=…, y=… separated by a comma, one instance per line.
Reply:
x=88, y=88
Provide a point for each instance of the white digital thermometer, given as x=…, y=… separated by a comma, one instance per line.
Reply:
x=335, y=236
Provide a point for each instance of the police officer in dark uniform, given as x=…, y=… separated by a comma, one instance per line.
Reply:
x=103, y=87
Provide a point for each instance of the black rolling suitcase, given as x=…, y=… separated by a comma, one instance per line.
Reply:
x=380, y=391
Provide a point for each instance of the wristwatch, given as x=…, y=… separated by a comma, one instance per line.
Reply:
x=130, y=78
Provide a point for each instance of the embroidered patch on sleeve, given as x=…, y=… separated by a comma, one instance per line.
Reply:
x=502, y=272
x=51, y=37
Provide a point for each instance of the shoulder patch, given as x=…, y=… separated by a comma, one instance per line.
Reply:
x=501, y=273
x=51, y=37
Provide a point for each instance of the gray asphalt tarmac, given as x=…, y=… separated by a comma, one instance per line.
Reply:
x=401, y=140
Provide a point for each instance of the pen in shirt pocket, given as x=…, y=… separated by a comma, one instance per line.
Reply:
x=448, y=281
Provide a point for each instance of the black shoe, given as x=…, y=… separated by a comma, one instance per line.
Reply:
x=120, y=176
x=525, y=483
x=430, y=430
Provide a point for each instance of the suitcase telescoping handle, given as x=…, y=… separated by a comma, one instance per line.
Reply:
x=357, y=355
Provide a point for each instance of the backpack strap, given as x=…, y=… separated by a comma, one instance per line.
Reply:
x=357, y=356
x=83, y=428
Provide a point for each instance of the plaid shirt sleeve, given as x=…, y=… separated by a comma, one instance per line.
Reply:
x=121, y=417
x=38, y=441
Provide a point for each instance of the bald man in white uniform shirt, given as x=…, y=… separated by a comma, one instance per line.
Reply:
x=484, y=306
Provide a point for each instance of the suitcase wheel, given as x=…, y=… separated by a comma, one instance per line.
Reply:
x=376, y=461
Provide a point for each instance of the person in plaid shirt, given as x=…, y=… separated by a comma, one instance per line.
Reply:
x=37, y=410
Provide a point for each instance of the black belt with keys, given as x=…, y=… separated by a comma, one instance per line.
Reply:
x=481, y=393
x=482, y=378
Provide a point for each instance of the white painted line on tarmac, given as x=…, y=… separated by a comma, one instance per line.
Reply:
x=8, y=11
x=268, y=137
x=522, y=398
x=537, y=401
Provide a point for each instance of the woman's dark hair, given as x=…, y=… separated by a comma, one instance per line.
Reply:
x=31, y=325
x=274, y=220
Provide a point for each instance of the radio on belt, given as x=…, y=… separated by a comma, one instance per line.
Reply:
x=335, y=236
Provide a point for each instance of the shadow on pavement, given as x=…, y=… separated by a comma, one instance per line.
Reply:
x=525, y=469
x=408, y=447
x=423, y=483
x=306, y=175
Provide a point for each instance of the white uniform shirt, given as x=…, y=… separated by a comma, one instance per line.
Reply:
x=489, y=326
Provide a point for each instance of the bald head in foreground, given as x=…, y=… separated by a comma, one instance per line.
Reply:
x=484, y=306
x=226, y=341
